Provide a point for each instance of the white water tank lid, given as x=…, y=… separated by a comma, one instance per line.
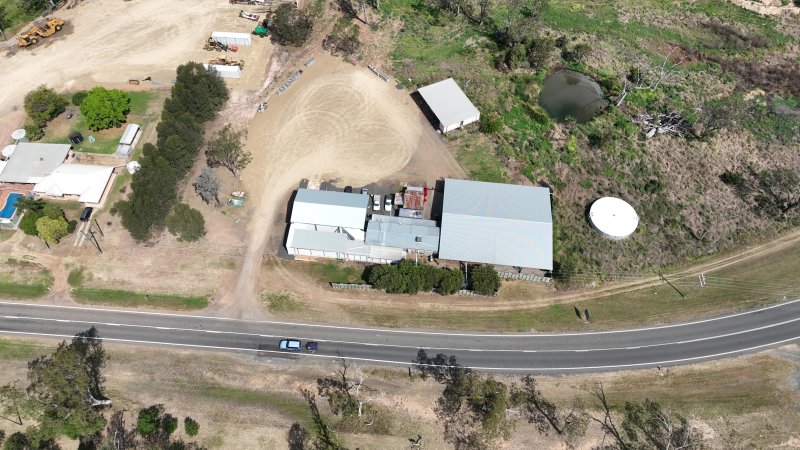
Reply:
x=614, y=217
x=9, y=150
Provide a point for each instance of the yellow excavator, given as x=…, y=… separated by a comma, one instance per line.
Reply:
x=226, y=62
x=40, y=29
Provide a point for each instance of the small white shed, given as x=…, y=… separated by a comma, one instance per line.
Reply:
x=449, y=104
x=229, y=38
x=225, y=71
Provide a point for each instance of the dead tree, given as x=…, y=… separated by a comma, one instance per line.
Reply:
x=636, y=79
x=606, y=422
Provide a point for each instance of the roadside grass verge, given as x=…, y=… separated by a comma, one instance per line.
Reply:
x=24, y=280
x=114, y=297
x=741, y=286
x=281, y=302
x=14, y=349
x=293, y=407
x=750, y=385
x=333, y=272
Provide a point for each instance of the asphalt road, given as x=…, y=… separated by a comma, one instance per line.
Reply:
x=667, y=345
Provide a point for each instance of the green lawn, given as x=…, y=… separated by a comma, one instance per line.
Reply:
x=105, y=141
x=115, y=297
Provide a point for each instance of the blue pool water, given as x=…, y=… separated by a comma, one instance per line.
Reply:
x=11, y=206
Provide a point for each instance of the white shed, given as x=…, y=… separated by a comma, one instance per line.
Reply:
x=229, y=38
x=449, y=104
x=225, y=71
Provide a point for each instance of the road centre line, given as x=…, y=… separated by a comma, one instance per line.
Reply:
x=398, y=331
x=372, y=344
x=500, y=369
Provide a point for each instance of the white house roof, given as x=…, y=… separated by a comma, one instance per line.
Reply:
x=32, y=162
x=87, y=182
x=500, y=224
x=330, y=208
x=448, y=102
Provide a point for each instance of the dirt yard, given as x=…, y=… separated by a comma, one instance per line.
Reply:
x=110, y=42
x=340, y=122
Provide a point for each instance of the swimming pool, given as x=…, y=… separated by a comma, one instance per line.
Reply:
x=11, y=206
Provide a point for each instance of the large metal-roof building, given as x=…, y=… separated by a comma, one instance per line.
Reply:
x=499, y=224
x=331, y=224
x=449, y=104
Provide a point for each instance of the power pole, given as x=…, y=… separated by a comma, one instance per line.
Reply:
x=98, y=228
x=91, y=239
x=671, y=285
x=96, y=244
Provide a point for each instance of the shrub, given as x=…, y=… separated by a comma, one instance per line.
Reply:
x=408, y=278
x=149, y=420
x=577, y=53
x=43, y=104
x=186, y=222
x=291, y=26
x=191, y=426
x=17, y=441
x=491, y=123
x=169, y=423
x=51, y=230
x=450, y=282
x=105, y=108
x=343, y=39
x=733, y=179
x=33, y=131
x=484, y=280
x=28, y=222
x=78, y=97
x=539, y=51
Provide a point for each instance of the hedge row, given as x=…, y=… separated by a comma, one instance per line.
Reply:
x=196, y=97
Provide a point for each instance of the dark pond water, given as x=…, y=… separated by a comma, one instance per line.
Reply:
x=568, y=93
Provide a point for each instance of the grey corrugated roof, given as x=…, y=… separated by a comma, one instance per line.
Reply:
x=494, y=223
x=31, y=162
x=338, y=243
x=330, y=208
x=448, y=102
x=402, y=232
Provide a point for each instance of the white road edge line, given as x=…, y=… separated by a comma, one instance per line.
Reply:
x=397, y=331
x=372, y=344
x=381, y=361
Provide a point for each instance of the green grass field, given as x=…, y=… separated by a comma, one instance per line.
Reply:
x=113, y=297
